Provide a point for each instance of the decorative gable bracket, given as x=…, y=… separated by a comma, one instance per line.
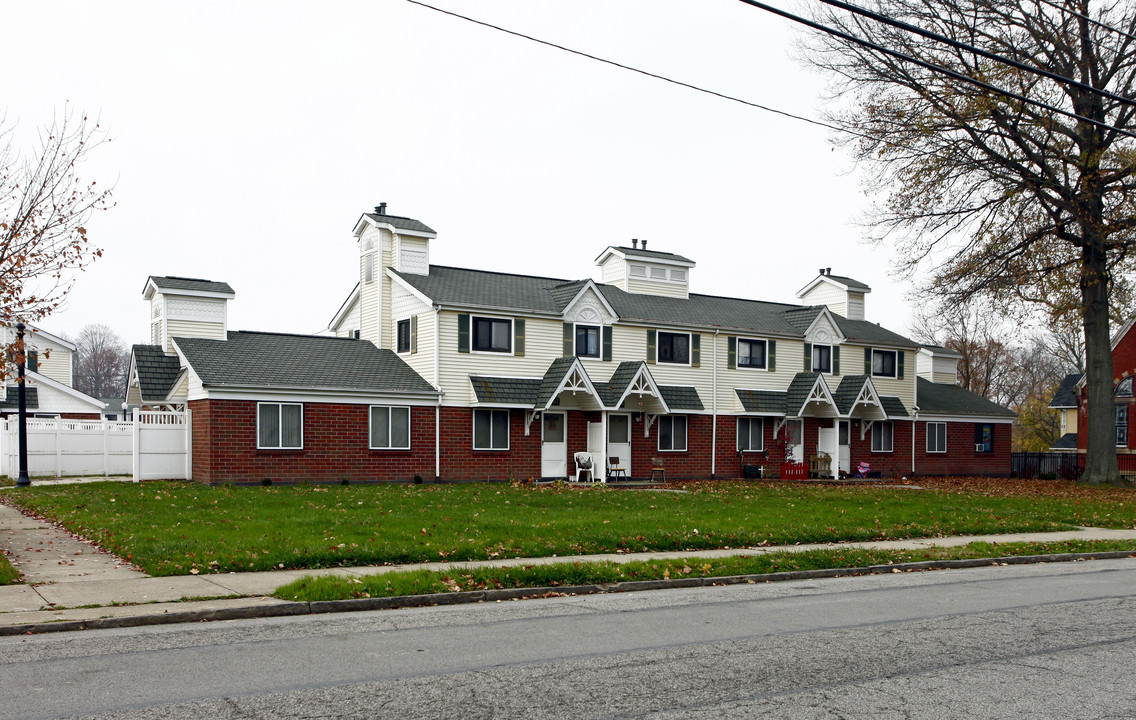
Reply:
x=865, y=427
x=530, y=415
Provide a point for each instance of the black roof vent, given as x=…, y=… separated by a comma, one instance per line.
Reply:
x=381, y=209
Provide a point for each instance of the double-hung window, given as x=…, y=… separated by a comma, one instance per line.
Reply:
x=936, y=437
x=588, y=341
x=492, y=335
x=490, y=429
x=404, y=336
x=674, y=348
x=751, y=437
x=279, y=426
x=883, y=363
x=751, y=354
x=822, y=358
x=882, y=436
x=390, y=428
x=672, y=432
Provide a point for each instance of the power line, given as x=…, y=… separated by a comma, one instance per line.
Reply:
x=973, y=49
x=1098, y=23
x=930, y=66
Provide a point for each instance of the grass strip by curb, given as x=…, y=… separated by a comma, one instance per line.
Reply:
x=8, y=574
x=496, y=595
x=456, y=579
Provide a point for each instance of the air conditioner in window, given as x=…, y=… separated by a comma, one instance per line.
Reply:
x=979, y=447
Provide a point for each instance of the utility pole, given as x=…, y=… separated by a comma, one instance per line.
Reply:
x=23, y=480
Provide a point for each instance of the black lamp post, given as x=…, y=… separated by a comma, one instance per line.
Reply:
x=23, y=479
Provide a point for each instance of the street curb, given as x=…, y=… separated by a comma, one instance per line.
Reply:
x=480, y=596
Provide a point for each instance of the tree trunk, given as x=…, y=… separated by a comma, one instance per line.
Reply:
x=1100, y=458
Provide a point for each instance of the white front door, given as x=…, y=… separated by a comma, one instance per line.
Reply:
x=553, y=446
x=619, y=442
x=596, y=448
x=826, y=443
x=844, y=451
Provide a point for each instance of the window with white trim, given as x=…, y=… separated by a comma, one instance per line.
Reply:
x=751, y=434
x=936, y=437
x=672, y=433
x=751, y=354
x=678, y=275
x=638, y=271
x=492, y=334
x=390, y=428
x=588, y=341
x=369, y=268
x=658, y=273
x=673, y=348
x=882, y=436
x=490, y=429
x=822, y=358
x=883, y=363
x=279, y=426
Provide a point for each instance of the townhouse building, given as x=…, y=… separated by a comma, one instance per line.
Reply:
x=467, y=374
x=49, y=391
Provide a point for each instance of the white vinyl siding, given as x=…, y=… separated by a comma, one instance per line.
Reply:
x=390, y=428
x=279, y=426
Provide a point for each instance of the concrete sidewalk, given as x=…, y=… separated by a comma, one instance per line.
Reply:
x=71, y=580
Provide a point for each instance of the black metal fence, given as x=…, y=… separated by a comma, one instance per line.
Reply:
x=1061, y=465
x=1047, y=465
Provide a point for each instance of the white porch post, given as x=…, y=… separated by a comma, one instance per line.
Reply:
x=600, y=464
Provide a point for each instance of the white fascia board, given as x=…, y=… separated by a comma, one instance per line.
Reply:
x=874, y=396
x=181, y=376
x=825, y=312
x=314, y=395
x=408, y=287
x=152, y=288
x=817, y=281
x=825, y=392
x=939, y=352
x=610, y=250
x=65, y=389
x=345, y=308
x=55, y=339
x=642, y=370
x=499, y=311
x=592, y=285
x=966, y=418
x=576, y=365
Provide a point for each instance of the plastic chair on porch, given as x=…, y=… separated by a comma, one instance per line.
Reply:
x=583, y=462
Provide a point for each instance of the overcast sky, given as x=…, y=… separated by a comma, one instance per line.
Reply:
x=248, y=137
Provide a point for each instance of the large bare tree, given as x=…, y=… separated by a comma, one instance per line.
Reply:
x=993, y=194
x=100, y=362
x=44, y=208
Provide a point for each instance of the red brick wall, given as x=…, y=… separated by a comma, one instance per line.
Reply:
x=961, y=458
x=521, y=461
x=335, y=445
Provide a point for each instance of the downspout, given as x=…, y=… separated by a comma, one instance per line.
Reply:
x=915, y=409
x=714, y=414
x=438, y=387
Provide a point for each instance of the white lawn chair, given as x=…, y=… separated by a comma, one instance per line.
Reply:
x=583, y=462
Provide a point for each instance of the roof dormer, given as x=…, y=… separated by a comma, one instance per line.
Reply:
x=186, y=307
x=391, y=240
x=937, y=364
x=636, y=269
x=842, y=295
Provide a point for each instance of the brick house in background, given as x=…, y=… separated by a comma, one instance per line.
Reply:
x=1070, y=399
x=459, y=373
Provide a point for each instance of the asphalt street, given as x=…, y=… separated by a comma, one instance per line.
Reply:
x=1038, y=641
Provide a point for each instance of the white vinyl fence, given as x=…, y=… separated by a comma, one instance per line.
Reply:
x=155, y=445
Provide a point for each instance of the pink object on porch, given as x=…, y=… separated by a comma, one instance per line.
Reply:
x=862, y=469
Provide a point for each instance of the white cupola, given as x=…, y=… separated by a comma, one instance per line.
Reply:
x=842, y=295
x=636, y=269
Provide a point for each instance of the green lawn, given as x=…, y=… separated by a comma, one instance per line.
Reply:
x=424, y=582
x=8, y=574
x=176, y=528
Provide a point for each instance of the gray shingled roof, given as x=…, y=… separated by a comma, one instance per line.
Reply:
x=852, y=284
x=402, y=223
x=848, y=391
x=530, y=293
x=650, y=254
x=1066, y=395
x=505, y=391
x=1068, y=441
x=799, y=390
x=553, y=376
x=944, y=399
x=617, y=384
x=255, y=359
x=762, y=401
x=172, y=282
x=157, y=371
x=893, y=406
x=12, y=402
x=680, y=397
